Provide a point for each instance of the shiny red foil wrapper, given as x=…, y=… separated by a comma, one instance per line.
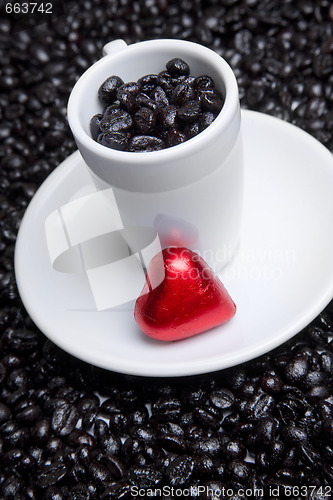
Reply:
x=190, y=300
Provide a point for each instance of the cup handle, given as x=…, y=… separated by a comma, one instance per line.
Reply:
x=114, y=47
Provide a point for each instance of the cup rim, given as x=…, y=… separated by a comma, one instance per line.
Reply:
x=223, y=119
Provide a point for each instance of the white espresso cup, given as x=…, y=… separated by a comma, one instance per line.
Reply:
x=191, y=193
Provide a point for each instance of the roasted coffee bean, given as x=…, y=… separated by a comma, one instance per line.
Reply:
x=144, y=434
x=107, y=92
x=49, y=475
x=131, y=449
x=205, y=446
x=210, y=100
x=171, y=437
x=294, y=435
x=127, y=399
x=139, y=417
x=64, y=419
x=30, y=414
x=177, y=67
x=144, y=476
x=18, y=438
x=180, y=470
x=145, y=120
x=41, y=431
x=99, y=473
x=203, y=82
x=159, y=97
x=222, y=400
x=166, y=409
x=12, y=457
x=192, y=129
x=174, y=137
x=167, y=116
x=94, y=125
x=144, y=100
x=230, y=422
x=79, y=492
x=193, y=397
x=233, y=449
x=114, y=140
x=326, y=363
x=118, y=121
x=266, y=430
x=78, y=437
x=259, y=406
x=53, y=446
x=148, y=82
x=145, y=143
x=165, y=81
x=206, y=119
x=239, y=470
x=117, y=490
x=127, y=93
x=118, y=422
x=108, y=442
x=88, y=408
x=271, y=382
x=189, y=112
x=207, y=417
x=5, y=413
x=181, y=94
x=316, y=335
x=12, y=487
x=114, y=465
x=20, y=341
x=204, y=467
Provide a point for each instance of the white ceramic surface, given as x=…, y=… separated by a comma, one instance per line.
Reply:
x=170, y=184
x=280, y=278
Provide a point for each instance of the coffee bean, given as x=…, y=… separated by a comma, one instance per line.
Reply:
x=139, y=416
x=171, y=438
x=107, y=92
x=5, y=413
x=296, y=369
x=49, y=475
x=210, y=100
x=99, y=473
x=145, y=120
x=118, y=121
x=95, y=125
x=180, y=471
x=205, y=446
x=148, y=82
x=189, y=112
x=88, y=407
x=64, y=419
x=114, y=140
x=145, y=143
x=177, y=67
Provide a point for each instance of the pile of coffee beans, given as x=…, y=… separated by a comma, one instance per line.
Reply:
x=157, y=111
x=71, y=431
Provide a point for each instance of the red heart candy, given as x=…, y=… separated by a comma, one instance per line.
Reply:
x=191, y=298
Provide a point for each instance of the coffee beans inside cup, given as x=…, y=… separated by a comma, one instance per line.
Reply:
x=156, y=112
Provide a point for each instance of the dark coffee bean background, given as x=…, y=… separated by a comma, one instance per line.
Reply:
x=267, y=422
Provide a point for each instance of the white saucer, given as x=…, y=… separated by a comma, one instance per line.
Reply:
x=280, y=278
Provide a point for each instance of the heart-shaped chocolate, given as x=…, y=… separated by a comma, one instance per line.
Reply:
x=191, y=298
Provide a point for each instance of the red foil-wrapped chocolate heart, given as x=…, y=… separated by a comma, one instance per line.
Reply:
x=190, y=300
